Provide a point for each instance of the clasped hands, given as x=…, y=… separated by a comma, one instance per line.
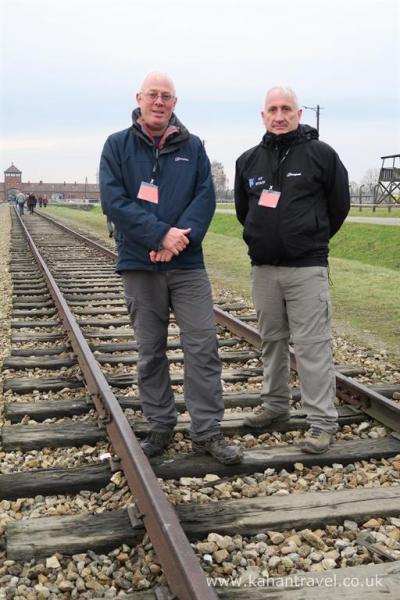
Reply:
x=173, y=243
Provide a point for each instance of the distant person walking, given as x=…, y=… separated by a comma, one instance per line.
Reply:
x=292, y=196
x=45, y=201
x=31, y=203
x=20, y=202
x=40, y=200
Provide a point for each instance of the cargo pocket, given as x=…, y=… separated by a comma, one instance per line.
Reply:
x=327, y=308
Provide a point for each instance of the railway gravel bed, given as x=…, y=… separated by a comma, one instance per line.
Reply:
x=280, y=514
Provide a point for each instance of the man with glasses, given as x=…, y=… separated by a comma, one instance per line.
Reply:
x=156, y=188
x=292, y=196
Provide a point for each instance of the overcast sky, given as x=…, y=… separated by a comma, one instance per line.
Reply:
x=70, y=71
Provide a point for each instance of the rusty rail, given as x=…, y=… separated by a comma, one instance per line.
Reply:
x=181, y=566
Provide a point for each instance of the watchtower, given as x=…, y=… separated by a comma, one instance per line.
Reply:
x=389, y=180
x=12, y=182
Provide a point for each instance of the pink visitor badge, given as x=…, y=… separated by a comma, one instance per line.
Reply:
x=269, y=198
x=148, y=192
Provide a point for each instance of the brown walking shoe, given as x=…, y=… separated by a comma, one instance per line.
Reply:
x=156, y=442
x=265, y=417
x=316, y=441
x=217, y=446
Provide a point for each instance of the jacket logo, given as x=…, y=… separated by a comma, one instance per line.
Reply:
x=254, y=181
x=293, y=174
x=178, y=158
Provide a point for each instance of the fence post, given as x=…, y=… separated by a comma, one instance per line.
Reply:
x=360, y=199
x=376, y=187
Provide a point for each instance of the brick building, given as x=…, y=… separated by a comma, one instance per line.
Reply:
x=13, y=184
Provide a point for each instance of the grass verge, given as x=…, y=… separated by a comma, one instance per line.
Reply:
x=380, y=211
x=93, y=220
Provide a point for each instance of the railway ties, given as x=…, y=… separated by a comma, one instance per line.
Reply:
x=243, y=501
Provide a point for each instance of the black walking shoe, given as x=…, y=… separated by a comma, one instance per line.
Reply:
x=219, y=449
x=156, y=442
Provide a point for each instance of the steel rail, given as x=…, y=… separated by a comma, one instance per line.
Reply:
x=181, y=566
x=349, y=390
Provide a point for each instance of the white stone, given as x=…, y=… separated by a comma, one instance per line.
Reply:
x=350, y=525
x=328, y=563
x=211, y=477
x=52, y=563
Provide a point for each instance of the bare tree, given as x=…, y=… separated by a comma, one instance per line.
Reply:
x=371, y=178
x=219, y=178
x=354, y=188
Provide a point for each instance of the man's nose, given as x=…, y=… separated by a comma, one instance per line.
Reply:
x=159, y=100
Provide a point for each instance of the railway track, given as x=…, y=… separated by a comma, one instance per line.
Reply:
x=70, y=383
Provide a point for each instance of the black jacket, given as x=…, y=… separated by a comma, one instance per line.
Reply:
x=313, y=204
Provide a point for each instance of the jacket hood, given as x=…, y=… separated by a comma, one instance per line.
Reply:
x=175, y=134
x=303, y=133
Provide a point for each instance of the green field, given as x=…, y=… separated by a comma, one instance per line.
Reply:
x=364, y=270
x=371, y=244
x=354, y=212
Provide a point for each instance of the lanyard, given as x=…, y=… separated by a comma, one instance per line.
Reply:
x=156, y=167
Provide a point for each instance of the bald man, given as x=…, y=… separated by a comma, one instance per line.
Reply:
x=292, y=196
x=156, y=188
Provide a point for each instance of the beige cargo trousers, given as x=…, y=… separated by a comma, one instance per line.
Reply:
x=293, y=304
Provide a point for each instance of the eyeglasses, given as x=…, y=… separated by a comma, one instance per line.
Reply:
x=152, y=96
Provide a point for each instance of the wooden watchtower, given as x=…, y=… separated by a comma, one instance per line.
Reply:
x=389, y=180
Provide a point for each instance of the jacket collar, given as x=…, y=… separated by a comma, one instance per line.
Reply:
x=303, y=133
x=175, y=134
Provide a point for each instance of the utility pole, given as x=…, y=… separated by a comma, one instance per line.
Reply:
x=317, y=110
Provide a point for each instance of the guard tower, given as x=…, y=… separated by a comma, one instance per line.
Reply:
x=388, y=188
x=12, y=182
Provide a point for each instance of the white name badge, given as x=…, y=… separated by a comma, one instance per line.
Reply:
x=269, y=198
x=148, y=192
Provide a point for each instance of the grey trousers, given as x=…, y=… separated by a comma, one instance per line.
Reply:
x=149, y=297
x=294, y=303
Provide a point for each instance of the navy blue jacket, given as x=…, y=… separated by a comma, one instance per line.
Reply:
x=186, y=194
